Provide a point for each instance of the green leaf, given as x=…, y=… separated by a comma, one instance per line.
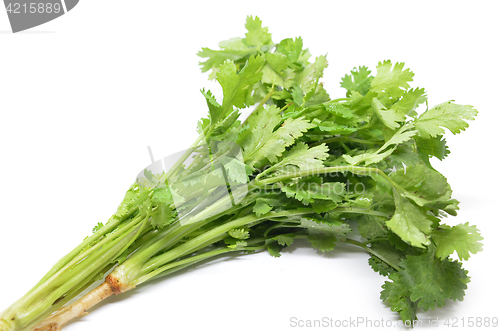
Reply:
x=368, y=158
x=238, y=245
x=359, y=80
x=433, y=281
x=308, y=77
x=128, y=201
x=391, y=80
x=297, y=95
x=422, y=185
x=409, y=102
x=435, y=146
x=291, y=48
x=237, y=86
x=301, y=157
x=404, y=155
x=275, y=70
x=385, y=257
x=265, y=204
x=397, y=294
x=162, y=216
x=218, y=57
x=273, y=247
x=410, y=222
x=370, y=226
x=213, y=106
x=162, y=195
x=261, y=207
x=404, y=134
x=333, y=128
x=380, y=266
x=97, y=227
x=239, y=233
x=261, y=142
x=261, y=125
x=389, y=117
x=340, y=110
x=462, y=238
x=446, y=115
x=286, y=239
x=324, y=232
x=257, y=35
x=310, y=189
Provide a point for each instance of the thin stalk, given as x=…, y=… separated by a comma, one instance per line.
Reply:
x=279, y=225
x=371, y=251
x=76, y=265
x=197, y=242
x=176, y=166
x=322, y=171
x=77, y=250
x=77, y=309
x=261, y=104
x=356, y=210
x=344, y=139
x=339, y=99
x=84, y=269
x=184, y=263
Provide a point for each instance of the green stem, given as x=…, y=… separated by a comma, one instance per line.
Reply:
x=339, y=99
x=208, y=237
x=322, y=171
x=176, y=166
x=75, y=266
x=343, y=139
x=279, y=225
x=356, y=210
x=184, y=263
x=261, y=104
x=111, y=225
x=372, y=252
x=72, y=280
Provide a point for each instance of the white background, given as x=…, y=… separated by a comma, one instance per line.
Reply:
x=82, y=96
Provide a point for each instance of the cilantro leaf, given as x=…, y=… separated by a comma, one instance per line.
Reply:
x=239, y=233
x=310, y=189
x=262, y=142
x=274, y=71
x=448, y=115
x=257, y=35
x=301, y=157
x=237, y=87
x=308, y=77
x=370, y=226
x=389, y=117
x=409, y=102
x=323, y=233
x=435, y=146
x=421, y=184
x=462, y=238
x=410, y=222
x=392, y=80
x=397, y=294
x=97, y=227
x=404, y=134
x=433, y=281
x=291, y=48
x=359, y=80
